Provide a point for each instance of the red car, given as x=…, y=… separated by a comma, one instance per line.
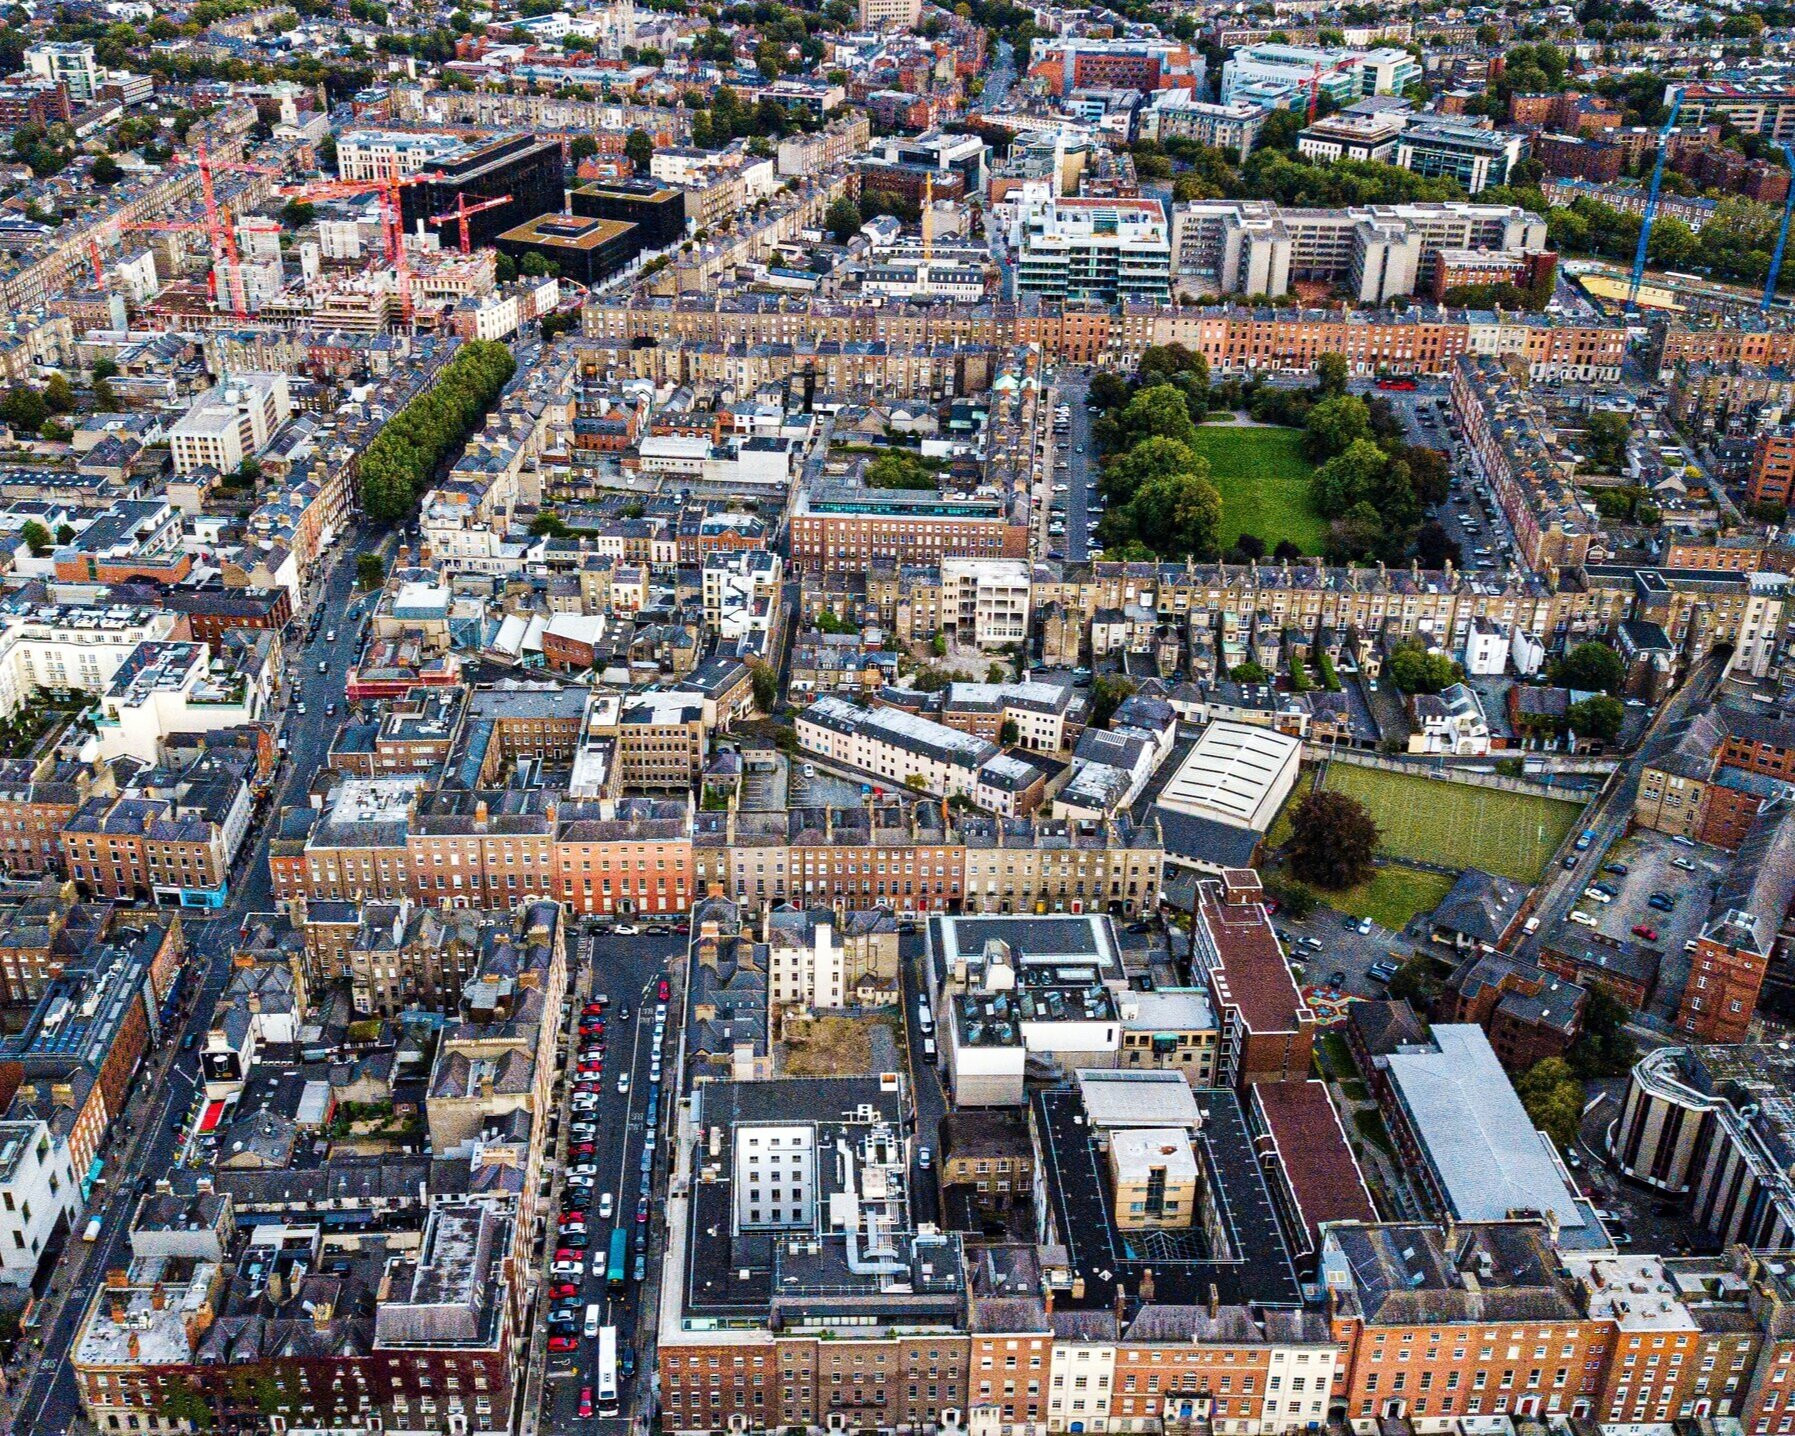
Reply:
x=593, y=1067
x=564, y=1343
x=581, y=1149
x=573, y=1219
x=586, y=1402
x=663, y=992
x=1640, y=929
x=564, y=1289
x=593, y=1009
x=567, y=1254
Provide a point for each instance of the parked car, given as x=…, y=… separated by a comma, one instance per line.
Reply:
x=561, y=1343
x=1587, y=919
x=626, y=929
x=1596, y=894
x=1620, y=870
x=663, y=990
x=1640, y=929
x=1682, y=862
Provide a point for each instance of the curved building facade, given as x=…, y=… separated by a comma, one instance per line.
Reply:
x=1658, y=1136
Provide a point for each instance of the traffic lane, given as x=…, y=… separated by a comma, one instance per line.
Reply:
x=927, y=1096
x=627, y=969
x=1076, y=391
x=53, y=1402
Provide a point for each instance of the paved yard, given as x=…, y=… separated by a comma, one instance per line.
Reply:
x=1650, y=859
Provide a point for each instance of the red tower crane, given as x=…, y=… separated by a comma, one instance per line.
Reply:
x=215, y=226
x=463, y=209
x=392, y=218
x=1315, y=82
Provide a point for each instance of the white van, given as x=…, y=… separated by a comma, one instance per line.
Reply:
x=925, y=1023
x=594, y=1319
x=928, y=1048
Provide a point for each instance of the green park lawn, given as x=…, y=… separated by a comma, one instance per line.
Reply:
x=1392, y=897
x=1263, y=479
x=1459, y=826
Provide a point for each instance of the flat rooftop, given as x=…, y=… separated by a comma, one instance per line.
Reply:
x=1239, y=1253
x=567, y=231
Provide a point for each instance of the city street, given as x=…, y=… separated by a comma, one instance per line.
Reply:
x=1074, y=387
x=163, y=1094
x=627, y=969
x=929, y=1100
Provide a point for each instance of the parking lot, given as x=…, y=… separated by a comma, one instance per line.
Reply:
x=1655, y=863
x=1344, y=949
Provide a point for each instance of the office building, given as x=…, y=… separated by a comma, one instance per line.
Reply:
x=657, y=211
x=1108, y=250
x=526, y=169
x=67, y=64
x=586, y=250
x=230, y=422
x=1475, y=157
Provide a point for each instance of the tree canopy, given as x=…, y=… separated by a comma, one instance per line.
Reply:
x=399, y=464
x=1332, y=839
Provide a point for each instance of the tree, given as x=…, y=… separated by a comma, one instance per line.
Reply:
x=1434, y=547
x=1248, y=672
x=24, y=409
x=638, y=149
x=1008, y=733
x=370, y=571
x=298, y=213
x=842, y=219
x=584, y=147
x=1553, y=1097
x=1178, y=515
x=105, y=170
x=1334, y=425
x=1590, y=667
x=766, y=688
x=938, y=645
x=1331, y=373
x=104, y=369
x=1414, y=670
x=1155, y=458
x=1107, y=694
x=1608, y=433
x=1347, y=479
x=105, y=397
x=59, y=395
x=1416, y=981
x=1332, y=840
x=1158, y=411
x=1603, y=1048
x=1598, y=718
x=37, y=538
x=537, y=266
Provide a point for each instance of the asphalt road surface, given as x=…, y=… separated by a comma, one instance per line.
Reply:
x=164, y=1092
x=627, y=969
x=1074, y=385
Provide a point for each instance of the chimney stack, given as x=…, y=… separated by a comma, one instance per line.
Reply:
x=1147, y=1286
x=1121, y=1304
x=1215, y=1301
x=158, y=1297
x=134, y=1345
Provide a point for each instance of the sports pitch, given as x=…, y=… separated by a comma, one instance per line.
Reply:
x=1457, y=825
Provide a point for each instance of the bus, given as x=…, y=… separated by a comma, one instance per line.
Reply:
x=607, y=1371
x=616, y=1273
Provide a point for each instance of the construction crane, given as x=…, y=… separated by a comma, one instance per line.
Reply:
x=463, y=209
x=1650, y=216
x=392, y=217
x=216, y=226
x=1315, y=82
x=1782, y=234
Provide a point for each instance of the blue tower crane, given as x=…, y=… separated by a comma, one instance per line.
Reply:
x=1651, y=204
x=1782, y=235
